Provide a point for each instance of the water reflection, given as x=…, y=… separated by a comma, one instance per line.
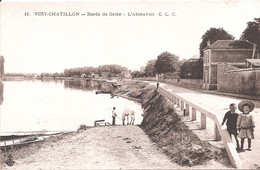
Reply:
x=52, y=105
x=56, y=81
x=87, y=85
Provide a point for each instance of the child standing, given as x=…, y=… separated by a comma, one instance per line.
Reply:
x=245, y=122
x=231, y=117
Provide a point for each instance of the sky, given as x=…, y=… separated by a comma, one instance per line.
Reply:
x=36, y=44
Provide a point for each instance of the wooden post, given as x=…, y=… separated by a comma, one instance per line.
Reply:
x=182, y=105
x=187, y=110
x=174, y=100
x=202, y=121
x=217, y=136
x=178, y=102
x=193, y=116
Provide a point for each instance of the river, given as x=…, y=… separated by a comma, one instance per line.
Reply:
x=57, y=105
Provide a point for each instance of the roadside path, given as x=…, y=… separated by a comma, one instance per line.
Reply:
x=219, y=105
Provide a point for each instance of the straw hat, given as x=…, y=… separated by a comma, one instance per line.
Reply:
x=242, y=103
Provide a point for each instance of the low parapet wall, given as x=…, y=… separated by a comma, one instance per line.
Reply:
x=219, y=132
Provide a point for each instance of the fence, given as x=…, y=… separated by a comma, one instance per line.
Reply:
x=218, y=132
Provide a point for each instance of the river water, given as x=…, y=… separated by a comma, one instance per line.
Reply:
x=57, y=105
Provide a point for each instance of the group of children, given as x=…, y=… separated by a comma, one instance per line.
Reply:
x=241, y=125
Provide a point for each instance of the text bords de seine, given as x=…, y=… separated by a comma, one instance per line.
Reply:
x=100, y=14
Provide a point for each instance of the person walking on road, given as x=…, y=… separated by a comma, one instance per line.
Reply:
x=113, y=116
x=231, y=118
x=245, y=123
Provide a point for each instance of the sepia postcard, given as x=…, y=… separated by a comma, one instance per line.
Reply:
x=130, y=84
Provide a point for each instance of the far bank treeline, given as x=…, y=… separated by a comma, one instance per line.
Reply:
x=109, y=71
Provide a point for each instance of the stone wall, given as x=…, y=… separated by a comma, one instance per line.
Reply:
x=192, y=83
x=240, y=81
x=147, y=78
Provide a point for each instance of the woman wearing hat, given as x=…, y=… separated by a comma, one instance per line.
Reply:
x=245, y=122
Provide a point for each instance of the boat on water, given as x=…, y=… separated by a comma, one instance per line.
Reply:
x=23, y=138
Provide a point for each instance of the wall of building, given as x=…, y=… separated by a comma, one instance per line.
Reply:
x=240, y=81
x=230, y=56
x=213, y=76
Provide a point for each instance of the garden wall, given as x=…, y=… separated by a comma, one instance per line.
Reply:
x=241, y=81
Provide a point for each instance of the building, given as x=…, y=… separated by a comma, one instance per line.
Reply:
x=223, y=51
x=191, y=68
x=194, y=58
x=2, y=61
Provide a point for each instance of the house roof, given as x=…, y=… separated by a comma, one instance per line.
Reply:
x=230, y=44
x=195, y=57
x=254, y=62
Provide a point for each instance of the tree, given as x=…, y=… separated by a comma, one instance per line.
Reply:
x=149, y=69
x=192, y=69
x=212, y=35
x=166, y=63
x=252, y=32
x=135, y=74
x=112, y=70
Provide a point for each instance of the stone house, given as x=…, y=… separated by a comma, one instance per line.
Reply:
x=232, y=52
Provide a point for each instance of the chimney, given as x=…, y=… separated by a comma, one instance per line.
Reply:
x=208, y=43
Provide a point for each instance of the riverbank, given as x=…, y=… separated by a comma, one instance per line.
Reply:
x=125, y=147
x=162, y=141
x=115, y=147
x=166, y=129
